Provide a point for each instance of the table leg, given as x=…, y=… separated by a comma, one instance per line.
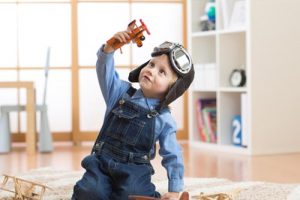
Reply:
x=31, y=121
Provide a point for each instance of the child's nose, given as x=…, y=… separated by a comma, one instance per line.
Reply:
x=153, y=71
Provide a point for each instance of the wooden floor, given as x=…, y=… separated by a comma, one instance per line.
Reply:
x=198, y=163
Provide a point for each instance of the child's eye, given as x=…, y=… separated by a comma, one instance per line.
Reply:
x=162, y=72
x=151, y=64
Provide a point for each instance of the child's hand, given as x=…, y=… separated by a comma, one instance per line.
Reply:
x=170, y=196
x=122, y=36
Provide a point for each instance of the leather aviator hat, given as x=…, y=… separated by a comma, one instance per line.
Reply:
x=181, y=64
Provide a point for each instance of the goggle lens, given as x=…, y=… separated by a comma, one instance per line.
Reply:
x=183, y=63
x=180, y=59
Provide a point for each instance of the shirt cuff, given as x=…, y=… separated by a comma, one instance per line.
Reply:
x=101, y=53
x=175, y=185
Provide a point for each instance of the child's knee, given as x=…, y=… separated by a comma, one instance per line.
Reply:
x=83, y=191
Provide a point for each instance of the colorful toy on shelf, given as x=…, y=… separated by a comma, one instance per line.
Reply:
x=208, y=20
x=210, y=10
x=23, y=189
x=136, y=35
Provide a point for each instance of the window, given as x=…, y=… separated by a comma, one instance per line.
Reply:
x=29, y=28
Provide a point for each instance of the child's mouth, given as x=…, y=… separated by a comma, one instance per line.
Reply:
x=147, y=78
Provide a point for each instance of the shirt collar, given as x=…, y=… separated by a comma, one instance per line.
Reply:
x=152, y=102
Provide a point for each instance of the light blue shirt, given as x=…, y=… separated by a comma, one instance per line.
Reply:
x=113, y=88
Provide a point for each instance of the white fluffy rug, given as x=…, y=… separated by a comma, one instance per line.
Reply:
x=62, y=184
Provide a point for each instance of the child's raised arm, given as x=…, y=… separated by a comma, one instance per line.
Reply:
x=122, y=36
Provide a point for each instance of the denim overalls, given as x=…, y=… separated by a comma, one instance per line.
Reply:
x=120, y=160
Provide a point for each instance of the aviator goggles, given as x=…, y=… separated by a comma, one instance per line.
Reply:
x=179, y=57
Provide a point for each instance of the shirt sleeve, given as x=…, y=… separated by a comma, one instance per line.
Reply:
x=171, y=154
x=112, y=87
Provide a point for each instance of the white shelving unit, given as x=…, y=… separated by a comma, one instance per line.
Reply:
x=267, y=47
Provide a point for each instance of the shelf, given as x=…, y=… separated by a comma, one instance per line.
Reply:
x=215, y=55
x=204, y=34
x=215, y=33
x=232, y=89
x=232, y=31
x=268, y=105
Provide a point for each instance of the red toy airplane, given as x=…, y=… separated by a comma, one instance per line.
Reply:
x=136, y=35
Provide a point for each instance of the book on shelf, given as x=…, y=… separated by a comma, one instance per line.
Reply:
x=200, y=123
x=210, y=119
x=206, y=115
x=225, y=13
x=244, y=120
x=233, y=13
x=205, y=76
x=199, y=79
x=238, y=16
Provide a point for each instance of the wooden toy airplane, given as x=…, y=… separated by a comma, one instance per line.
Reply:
x=220, y=196
x=136, y=35
x=217, y=196
x=184, y=196
x=23, y=189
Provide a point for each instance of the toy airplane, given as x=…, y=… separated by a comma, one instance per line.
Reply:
x=23, y=189
x=220, y=196
x=184, y=196
x=136, y=35
x=216, y=196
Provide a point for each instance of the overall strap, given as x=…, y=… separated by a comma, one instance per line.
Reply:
x=131, y=90
x=163, y=110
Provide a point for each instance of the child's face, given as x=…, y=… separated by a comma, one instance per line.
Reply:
x=156, y=78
